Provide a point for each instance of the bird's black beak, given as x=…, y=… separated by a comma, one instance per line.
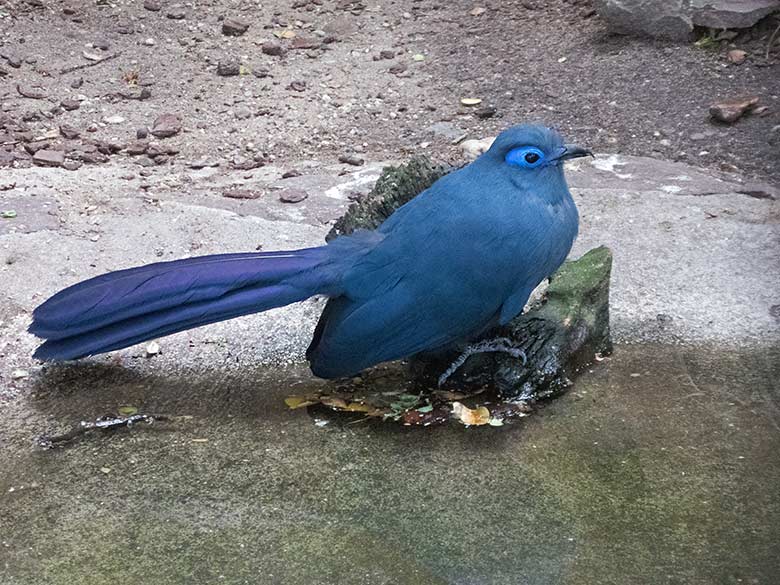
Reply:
x=572, y=151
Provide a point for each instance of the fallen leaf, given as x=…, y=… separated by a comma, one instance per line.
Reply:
x=470, y=101
x=299, y=401
x=9, y=214
x=479, y=10
x=334, y=402
x=284, y=34
x=127, y=410
x=92, y=56
x=199, y=440
x=105, y=470
x=418, y=57
x=476, y=417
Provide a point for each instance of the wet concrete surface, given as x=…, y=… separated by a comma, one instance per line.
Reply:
x=660, y=466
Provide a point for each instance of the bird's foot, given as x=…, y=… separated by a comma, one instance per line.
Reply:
x=499, y=344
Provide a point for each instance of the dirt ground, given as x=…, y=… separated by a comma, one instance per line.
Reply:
x=379, y=80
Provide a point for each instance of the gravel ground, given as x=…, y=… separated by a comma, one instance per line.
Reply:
x=377, y=80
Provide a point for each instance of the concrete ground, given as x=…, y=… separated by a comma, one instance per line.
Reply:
x=659, y=467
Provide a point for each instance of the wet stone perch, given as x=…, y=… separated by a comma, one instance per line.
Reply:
x=564, y=330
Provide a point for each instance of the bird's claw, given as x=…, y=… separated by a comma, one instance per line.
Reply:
x=499, y=344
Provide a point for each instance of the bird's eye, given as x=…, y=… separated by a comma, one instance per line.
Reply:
x=528, y=157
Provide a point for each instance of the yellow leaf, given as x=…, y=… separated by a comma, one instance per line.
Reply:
x=284, y=34
x=470, y=101
x=477, y=416
x=298, y=401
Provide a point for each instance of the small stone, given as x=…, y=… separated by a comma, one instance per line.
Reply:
x=137, y=148
x=102, y=44
x=292, y=195
x=698, y=136
x=473, y=148
x=203, y=163
x=49, y=158
x=228, y=67
x=736, y=56
x=261, y=72
x=69, y=132
x=305, y=43
x=115, y=119
x=291, y=173
x=33, y=93
x=176, y=12
x=70, y=105
x=732, y=110
x=351, y=159
x=242, y=194
x=142, y=133
x=36, y=145
x=166, y=125
x=485, y=112
x=274, y=49
x=234, y=27
x=242, y=113
x=387, y=54
x=72, y=165
x=297, y=85
x=398, y=68
x=12, y=59
x=150, y=42
x=153, y=5
x=77, y=83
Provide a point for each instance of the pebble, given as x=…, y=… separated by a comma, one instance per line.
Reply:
x=150, y=42
x=297, y=85
x=274, y=49
x=736, y=56
x=142, y=133
x=77, y=83
x=12, y=59
x=242, y=194
x=732, y=110
x=351, y=159
x=69, y=132
x=176, y=12
x=243, y=113
x=292, y=195
x=234, y=26
x=228, y=67
x=70, y=105
x=49, y=158
x=153, y=5
x=166, y=125
x=115, y=119
x=473, y=148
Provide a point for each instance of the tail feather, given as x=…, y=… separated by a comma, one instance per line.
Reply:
x=122, y=308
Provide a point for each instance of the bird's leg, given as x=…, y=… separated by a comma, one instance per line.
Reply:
x=500, y=344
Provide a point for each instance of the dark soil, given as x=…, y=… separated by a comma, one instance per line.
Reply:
x=360, y=88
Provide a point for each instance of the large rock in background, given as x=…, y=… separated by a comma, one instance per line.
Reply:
x=675, y=19
x=656, y=18
x=731, y=13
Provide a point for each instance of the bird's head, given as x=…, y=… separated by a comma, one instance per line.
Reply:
x=530, y=153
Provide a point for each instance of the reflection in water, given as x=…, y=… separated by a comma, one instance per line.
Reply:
x=659, y=466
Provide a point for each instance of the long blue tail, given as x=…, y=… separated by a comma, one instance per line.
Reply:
x=122, y=308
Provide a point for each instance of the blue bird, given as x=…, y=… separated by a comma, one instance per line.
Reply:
x=462, y=256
